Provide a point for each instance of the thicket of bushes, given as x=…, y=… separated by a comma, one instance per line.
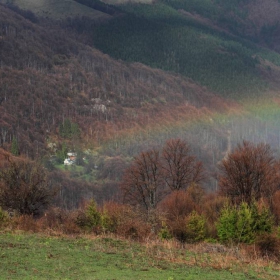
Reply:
x=233, y=225
x=244, y=213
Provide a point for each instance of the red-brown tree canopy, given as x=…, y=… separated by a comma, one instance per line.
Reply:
x=249, y=173
x=155, y=173
x=180, y=167
x=142, y=181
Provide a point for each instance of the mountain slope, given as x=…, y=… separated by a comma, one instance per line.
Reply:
x=163, y=37
x=49, y=76
x=58, y=10
x=170, y=73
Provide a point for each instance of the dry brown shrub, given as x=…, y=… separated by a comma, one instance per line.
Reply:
x=276, y=206
x=60, y=220
x=115, y=212
x=178, y=228
x=127, y=221
x=212, y=205
x=135, y=229
x=53, y=219
x=269, y=246
x=70, y=227
x=176, y=208
x=197, y=195
x=251, y=250
x=5, y=158
x=178, y=204
x=25, y=223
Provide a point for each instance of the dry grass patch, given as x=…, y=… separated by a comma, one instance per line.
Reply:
x=243, y=258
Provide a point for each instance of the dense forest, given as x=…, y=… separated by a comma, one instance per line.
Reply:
x=111, y=81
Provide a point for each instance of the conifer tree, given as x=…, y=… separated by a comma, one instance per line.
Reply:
x=14, y=147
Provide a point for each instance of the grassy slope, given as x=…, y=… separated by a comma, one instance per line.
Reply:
x=37, y=257
x=58, y=9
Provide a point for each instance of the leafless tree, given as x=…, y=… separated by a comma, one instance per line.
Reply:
x=155, y=173
x=180, y=167
x=24, y=187
x=142, y=182
x=249, y=173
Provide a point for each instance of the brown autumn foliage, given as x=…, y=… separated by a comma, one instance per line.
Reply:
x=54, y=221
x=59, y=220
x=276, y=206
x=25, y=223
x=249, y=173
x=112, y=168
x=125, y=221
x=5, y=158
x=46, y=75
x=178, y=204
x=212, y=205
x=72, y=191
x=269, y=246
x=177, y=207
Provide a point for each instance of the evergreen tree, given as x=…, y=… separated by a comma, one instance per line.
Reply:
x=14, y=147
x=62, y=153
x=226, y=225
x=69, y=129
x=243, y=224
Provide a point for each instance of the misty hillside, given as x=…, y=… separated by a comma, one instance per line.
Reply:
x=127, y=77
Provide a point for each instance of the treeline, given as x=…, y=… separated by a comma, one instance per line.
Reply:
x=30, y=187
x=160, y=195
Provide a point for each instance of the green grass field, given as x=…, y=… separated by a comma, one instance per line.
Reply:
x=30, y=256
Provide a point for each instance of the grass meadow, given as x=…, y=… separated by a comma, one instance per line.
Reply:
x=37, y=256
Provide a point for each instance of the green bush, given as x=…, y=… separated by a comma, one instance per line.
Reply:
x=226, y=225
x=195, y=228
x=164, y=233
x=263, y=220
x=245, y=232
x=4, y=217
x=243, y=224
x=107, y=223
x=90, y=219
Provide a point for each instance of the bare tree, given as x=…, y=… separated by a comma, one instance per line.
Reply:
x=142, y=182
x=153, y=174
x=249, y=173
x=24, y=187
x=180, y=168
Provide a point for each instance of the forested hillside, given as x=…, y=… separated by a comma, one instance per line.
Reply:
x=111, y=81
